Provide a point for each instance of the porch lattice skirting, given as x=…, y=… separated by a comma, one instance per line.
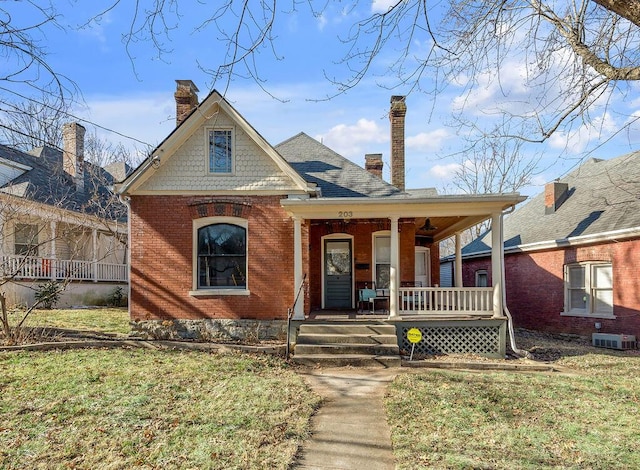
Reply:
x=482, y=337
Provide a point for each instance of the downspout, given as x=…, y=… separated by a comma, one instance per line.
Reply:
x=126, y=200
x=512, y=338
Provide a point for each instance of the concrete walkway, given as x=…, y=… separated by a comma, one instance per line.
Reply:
x=350, y=430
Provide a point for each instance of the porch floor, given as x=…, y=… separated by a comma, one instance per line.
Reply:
x=378, y=315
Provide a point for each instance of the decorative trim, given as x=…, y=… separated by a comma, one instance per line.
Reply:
x=219, y=208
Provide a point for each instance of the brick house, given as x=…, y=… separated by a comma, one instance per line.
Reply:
x=572, y=252
x=228, y=233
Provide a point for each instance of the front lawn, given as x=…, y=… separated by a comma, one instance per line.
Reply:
x=117, y=409
x=506, y=420
x=106, y=320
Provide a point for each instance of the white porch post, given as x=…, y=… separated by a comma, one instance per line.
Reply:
x=94, y=240
x=496, y=262
x=394, y=271
x=458, y=262
x=52, y=250
x=298, y=311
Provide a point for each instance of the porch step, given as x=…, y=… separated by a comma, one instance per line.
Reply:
x=341, y=344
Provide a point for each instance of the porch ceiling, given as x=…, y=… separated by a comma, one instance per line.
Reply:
x=448, y=214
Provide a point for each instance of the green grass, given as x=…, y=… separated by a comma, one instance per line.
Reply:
x=106, y=320
x=117, y=409
x=504, y=420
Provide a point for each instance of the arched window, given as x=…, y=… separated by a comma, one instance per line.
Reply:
x=222, y=257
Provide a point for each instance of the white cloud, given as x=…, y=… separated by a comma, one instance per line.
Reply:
x=428, y=141
x=444, y=172
x=382, y=6
x=354, y=141
x=576, y=141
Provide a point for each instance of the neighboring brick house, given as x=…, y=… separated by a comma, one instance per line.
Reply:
x=227, y=229
x=61, y=221
x=572, y=253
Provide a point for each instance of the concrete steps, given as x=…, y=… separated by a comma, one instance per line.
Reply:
x=347, y=344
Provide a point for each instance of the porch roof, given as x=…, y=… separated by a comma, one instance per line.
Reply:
x=447, y=214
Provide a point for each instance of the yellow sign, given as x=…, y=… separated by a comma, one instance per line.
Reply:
x=414, y=335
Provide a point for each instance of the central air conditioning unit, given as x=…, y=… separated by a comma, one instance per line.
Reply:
x=604, y=340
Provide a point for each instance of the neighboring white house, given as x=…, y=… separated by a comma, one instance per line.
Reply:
x=60, y=221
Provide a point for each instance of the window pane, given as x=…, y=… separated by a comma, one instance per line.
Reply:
x=420, y=263
x=602, y=276
x=383, y=249
x=222, y=256
x=482, y=279
x=576, y=277
x=220, y=151
x=26, y=239
x=577, y=299
x=603, y=301
x=383, y=274
x=338, y=258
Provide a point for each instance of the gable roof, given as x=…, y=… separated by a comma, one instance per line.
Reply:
x=43, y=180
x=206, y=110
x=335, y=175
x=603, y=197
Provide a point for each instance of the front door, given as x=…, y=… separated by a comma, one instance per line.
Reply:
x=337, y=274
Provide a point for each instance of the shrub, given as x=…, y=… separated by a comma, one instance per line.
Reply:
x=116, y=298
x=48, y=294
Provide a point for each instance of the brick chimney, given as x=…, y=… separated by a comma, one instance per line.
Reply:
x=186, y=96
x=396, y=116
x=373, y=164
x=73, y=152
x=555, y=193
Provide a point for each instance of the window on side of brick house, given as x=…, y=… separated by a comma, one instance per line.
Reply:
x=26, y=240
x=220, y=256
x=220, y=148
x=589, y=289
x=482, y=278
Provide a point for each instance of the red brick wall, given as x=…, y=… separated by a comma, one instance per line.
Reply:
x=535, y=287
x=162, y=258
x=362, y=251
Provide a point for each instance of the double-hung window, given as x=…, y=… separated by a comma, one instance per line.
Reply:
x=26, y=240
x=220, y=151
x=589, y=289
x=382, y=260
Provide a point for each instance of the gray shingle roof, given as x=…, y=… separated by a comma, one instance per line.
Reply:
x=603, y=196
x=335, y=175
x=48, y=183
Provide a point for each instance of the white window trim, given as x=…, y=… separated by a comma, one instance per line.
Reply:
x=233, y=150
x=586, y=313
x=478, y=273
x=374, y=272
x=214, y=292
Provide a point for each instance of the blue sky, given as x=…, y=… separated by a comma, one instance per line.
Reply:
x=133, y=96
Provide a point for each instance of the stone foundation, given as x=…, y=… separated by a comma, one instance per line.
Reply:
x=247, y=331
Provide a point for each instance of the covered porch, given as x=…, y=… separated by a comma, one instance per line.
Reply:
x=403, y=289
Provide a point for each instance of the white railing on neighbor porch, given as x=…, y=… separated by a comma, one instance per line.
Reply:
x=446, y=300
x=32, y=267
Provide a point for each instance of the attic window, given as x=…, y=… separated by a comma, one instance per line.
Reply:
x=220, y=151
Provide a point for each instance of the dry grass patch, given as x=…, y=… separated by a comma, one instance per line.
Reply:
x=117, y=409
x=105, y=320
x=501, y=420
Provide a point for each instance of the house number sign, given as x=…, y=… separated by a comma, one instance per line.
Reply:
x=345, y=214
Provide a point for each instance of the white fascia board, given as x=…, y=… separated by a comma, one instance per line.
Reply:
x=367, y=208
x=613, y=236
x=13, y=164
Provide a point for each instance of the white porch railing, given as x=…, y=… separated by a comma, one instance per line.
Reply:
x=446, y=300
x=33, y=267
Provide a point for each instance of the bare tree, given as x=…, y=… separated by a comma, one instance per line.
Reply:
x=572, y=54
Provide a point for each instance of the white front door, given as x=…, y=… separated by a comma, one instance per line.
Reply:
x=423, y=267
